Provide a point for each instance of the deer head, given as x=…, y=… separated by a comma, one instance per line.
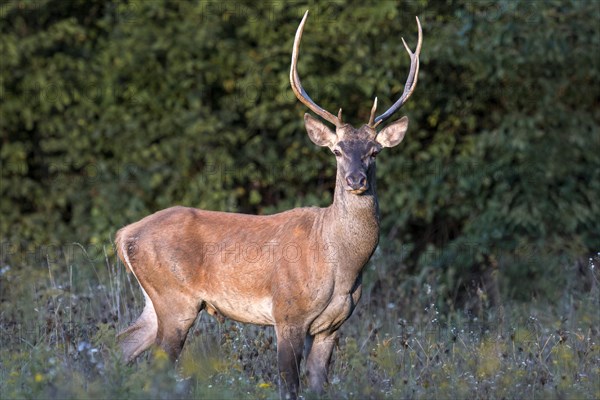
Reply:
x=355, y=149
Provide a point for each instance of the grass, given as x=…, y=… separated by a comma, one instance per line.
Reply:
x=58, y=327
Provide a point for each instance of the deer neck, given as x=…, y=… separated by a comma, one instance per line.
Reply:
x=352, y=222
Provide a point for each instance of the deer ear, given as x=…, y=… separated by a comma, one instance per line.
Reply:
x=320, y=134
x=393, y=134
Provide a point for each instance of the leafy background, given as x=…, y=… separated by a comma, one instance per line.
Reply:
x=110, y=111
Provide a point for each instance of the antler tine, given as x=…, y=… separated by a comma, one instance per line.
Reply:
x=297, y=86
x=411, y=81
x=373, y=109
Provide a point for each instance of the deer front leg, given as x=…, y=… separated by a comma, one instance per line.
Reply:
x=290, y=341
x=317, y=362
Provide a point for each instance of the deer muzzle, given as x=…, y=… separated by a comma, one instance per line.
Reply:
x=357, y=183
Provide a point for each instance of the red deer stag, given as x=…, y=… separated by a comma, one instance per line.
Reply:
x=299, y=270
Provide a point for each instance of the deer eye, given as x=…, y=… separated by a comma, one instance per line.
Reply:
x=337, y=153
x=374, y=153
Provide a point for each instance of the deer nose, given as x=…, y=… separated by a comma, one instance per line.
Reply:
x=356, y=181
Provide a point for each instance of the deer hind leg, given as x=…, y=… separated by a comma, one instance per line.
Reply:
x=170, y=309
x=175, y=318
x=141, y=334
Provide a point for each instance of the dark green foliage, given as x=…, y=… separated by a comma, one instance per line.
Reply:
x=110, y=111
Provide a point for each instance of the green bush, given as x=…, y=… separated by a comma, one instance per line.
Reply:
x=112, y=110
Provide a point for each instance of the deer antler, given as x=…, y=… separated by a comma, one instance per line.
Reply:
x=297, y=86
x=409, y=87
